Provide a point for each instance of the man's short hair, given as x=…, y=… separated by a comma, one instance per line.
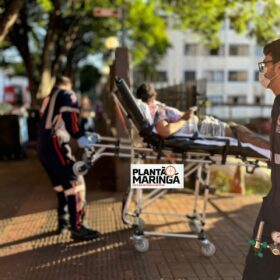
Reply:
x=273, y=48
x=63, y=81
x=145, y=92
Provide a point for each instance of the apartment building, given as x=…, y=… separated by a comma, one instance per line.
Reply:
x=231, y=71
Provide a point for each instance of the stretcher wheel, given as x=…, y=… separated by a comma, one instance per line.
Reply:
x=141, y=244
x=194, y=226
x=140, y=224
x=80, y=168
x=275, y=249
x=208, y=249
x=85, y=157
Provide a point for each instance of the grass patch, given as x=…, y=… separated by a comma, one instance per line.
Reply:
x=254, y=184
x=221, y=180
x=257, y=185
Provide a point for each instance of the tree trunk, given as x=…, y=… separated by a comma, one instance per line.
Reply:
x=51, y=69
x=19, y=38
x=69, y=40
x=33, y=83
x=29, y=68
x=46, y=80
x=9, y=17
x=68, y=70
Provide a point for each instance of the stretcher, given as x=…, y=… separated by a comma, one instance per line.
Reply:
x=195, y=152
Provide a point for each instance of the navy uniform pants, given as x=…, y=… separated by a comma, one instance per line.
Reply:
x=70, y=189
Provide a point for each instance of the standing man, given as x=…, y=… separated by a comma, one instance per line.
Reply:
x=268, y=267
x=58, y=123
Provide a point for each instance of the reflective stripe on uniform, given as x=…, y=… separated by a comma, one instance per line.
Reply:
x=68, y=109
x=74, y=119
x=48, y=124
x=277, y=158
x=58, y=152
x=57, y=121
x=75, y=189
x=58, y=188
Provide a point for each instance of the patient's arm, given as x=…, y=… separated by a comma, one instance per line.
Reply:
x=188, y=114
x=245, y=135
x=165, y=129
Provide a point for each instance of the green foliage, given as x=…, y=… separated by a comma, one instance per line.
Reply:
x=221, y=180
x=256, y=184
x=256, y=18
x=149, y=38
x=145, y=29
x=200, y=16
x=145, y=24
x=19, y=69
x=46, y=5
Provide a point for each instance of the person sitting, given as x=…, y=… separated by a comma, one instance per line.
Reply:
x=170, y=121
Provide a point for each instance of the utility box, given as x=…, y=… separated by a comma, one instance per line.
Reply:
x=13, y=136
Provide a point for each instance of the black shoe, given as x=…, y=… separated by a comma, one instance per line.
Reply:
x=62, y=229
x=63, y=225
x=84, y=234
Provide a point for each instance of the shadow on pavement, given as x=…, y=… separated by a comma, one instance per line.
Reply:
x=30, y=249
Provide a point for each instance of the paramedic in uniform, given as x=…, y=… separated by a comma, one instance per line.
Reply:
x=59, y=121
x=268, y=267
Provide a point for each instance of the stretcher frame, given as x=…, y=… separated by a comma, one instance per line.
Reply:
x=197, y=163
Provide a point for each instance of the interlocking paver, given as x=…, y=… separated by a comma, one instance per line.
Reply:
x=29, y=249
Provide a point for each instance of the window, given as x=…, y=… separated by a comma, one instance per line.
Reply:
x=237, y=76
x=215, y=76
x=189, y=76
x=237, y=99
x=259, y=99
x=160, y=76
x=241, y=50
x=217, y=51
x=216, y=99
x=191, y=49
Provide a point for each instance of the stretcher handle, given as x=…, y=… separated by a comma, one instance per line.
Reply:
x=251, y=170
x=260, y=231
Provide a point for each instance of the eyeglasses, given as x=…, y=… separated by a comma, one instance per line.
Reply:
x=262, y=64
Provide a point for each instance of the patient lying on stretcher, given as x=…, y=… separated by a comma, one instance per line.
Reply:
x=170, y=121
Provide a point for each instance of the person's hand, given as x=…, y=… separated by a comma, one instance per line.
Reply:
x=85, y=142
x=95, y=137
x=187, y=115
x=89, y=140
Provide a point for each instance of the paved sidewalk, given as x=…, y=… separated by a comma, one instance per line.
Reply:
x=29, y=249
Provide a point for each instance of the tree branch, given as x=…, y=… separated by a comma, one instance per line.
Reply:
x=19, y=38
x=9, y=17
